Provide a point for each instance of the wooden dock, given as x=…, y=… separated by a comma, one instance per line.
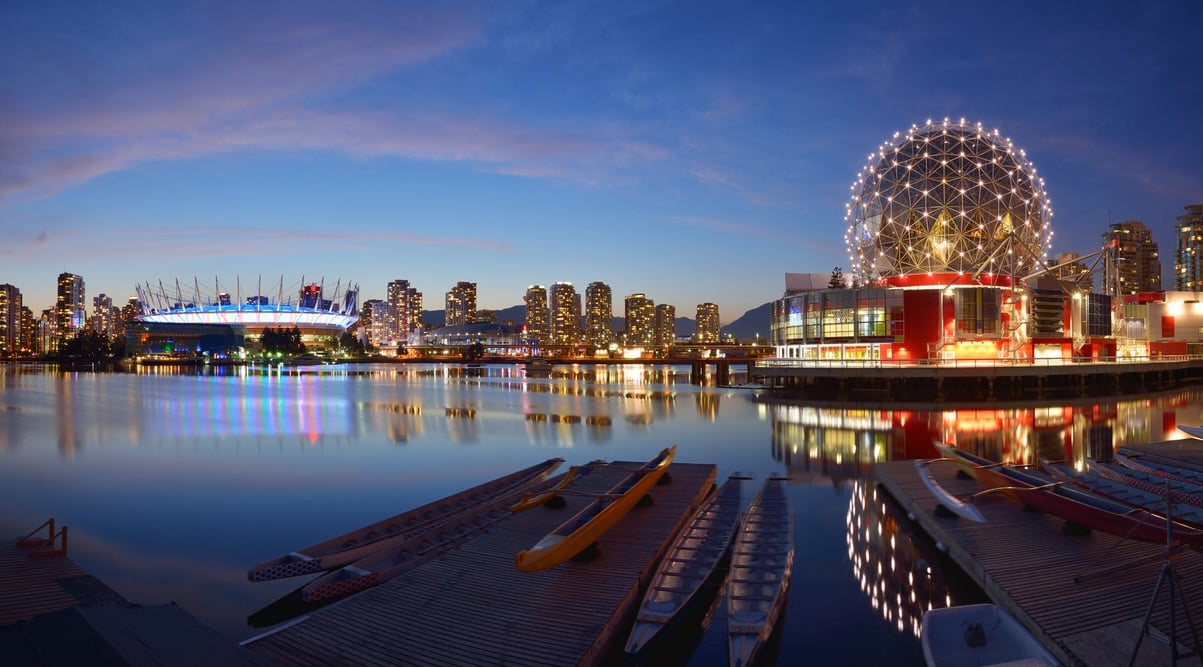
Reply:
x=1084, y=596
x=472, y=606
x=32, y=586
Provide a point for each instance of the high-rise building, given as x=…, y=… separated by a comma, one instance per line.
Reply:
x=461, y=304
x=396, y=313
x=413, y=299
x=640, y=314
x=564, y=313
x=29, y=333
x=1069, y=269
x=1138, y=265
x=70, y=309
x=10, y=321
x=374, y=319
x=537, y=329
x=129, y=312
x=1188, y=251
x=666, y=324
x=707, y=330
x=599, y=315
x=105, y=319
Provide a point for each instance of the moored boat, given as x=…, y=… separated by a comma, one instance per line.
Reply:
x=1145, y=496
x=762, y=561
x=346, y=549
x=1179, y=491
x=404, y=555
x=689, y=562
x=1069, y=502
x=1160, y=469
x=586, y=526
x=979, y=634
x=1193, y=431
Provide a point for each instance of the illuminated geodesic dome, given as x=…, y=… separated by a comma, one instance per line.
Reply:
x=948, y=197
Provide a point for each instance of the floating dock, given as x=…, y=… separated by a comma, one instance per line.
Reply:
x=471, y=606
x=1085, y=597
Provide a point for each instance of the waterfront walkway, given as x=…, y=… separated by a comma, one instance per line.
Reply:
x=472, y=606
x=1084, y=596
x=973, y=380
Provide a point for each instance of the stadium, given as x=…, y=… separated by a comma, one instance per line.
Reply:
x=223, y=321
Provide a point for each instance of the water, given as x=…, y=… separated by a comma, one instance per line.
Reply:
x=174, y=483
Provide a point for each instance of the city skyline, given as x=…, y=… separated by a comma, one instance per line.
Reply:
x=694, y=152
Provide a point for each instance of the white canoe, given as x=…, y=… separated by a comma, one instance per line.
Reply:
x=979, y=634
x=758, y=581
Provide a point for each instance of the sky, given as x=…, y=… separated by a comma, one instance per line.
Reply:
x=692, y=151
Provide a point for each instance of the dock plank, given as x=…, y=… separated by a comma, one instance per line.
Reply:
x=471, y=606
x=1051, y=582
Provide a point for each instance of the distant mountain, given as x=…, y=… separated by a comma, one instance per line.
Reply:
x=755, y=321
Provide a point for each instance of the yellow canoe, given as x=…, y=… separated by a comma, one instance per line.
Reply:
x=586, y=526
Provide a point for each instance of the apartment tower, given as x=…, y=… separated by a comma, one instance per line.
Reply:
x=70, y=309
x=599, y=315
x=564, y=312
x=1138, y=265
x=461, y=304
x=537, y=330
x=707, y=330
x=640, y=314
x=666, y=325
x=1188, y=250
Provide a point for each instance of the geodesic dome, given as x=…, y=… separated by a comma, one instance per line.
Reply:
x=948, y=197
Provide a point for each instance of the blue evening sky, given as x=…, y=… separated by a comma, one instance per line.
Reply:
x=694, y=151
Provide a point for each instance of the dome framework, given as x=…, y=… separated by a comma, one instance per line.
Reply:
x=947, y=198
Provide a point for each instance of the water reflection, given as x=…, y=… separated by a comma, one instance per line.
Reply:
x=845, y=442
x=902, y=575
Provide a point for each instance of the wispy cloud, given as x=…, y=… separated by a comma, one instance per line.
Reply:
x=275, y=81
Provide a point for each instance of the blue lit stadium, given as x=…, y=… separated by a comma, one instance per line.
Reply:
x=253, y=307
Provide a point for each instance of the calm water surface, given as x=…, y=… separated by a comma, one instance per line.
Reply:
x=174, y=483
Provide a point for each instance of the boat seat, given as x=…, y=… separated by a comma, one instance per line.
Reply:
x=745, y=616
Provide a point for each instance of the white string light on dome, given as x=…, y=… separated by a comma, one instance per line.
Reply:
x=947, y=199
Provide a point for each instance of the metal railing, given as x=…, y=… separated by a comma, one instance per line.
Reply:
x=777, y=362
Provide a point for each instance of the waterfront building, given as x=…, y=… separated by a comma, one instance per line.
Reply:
x=537, y=329
x=564, y=315
x=1188, y=249
x=396, y=313
x=70, y=308
x=640, y=314
x=1137, y=262
x=947, y=225
x=707, y=324
x=461, y=304
x=10, y=321
x=493, y=337
x=599, y=315
x=666, y=325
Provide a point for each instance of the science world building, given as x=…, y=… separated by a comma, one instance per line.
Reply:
x=948, y=230
x=201, y=318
